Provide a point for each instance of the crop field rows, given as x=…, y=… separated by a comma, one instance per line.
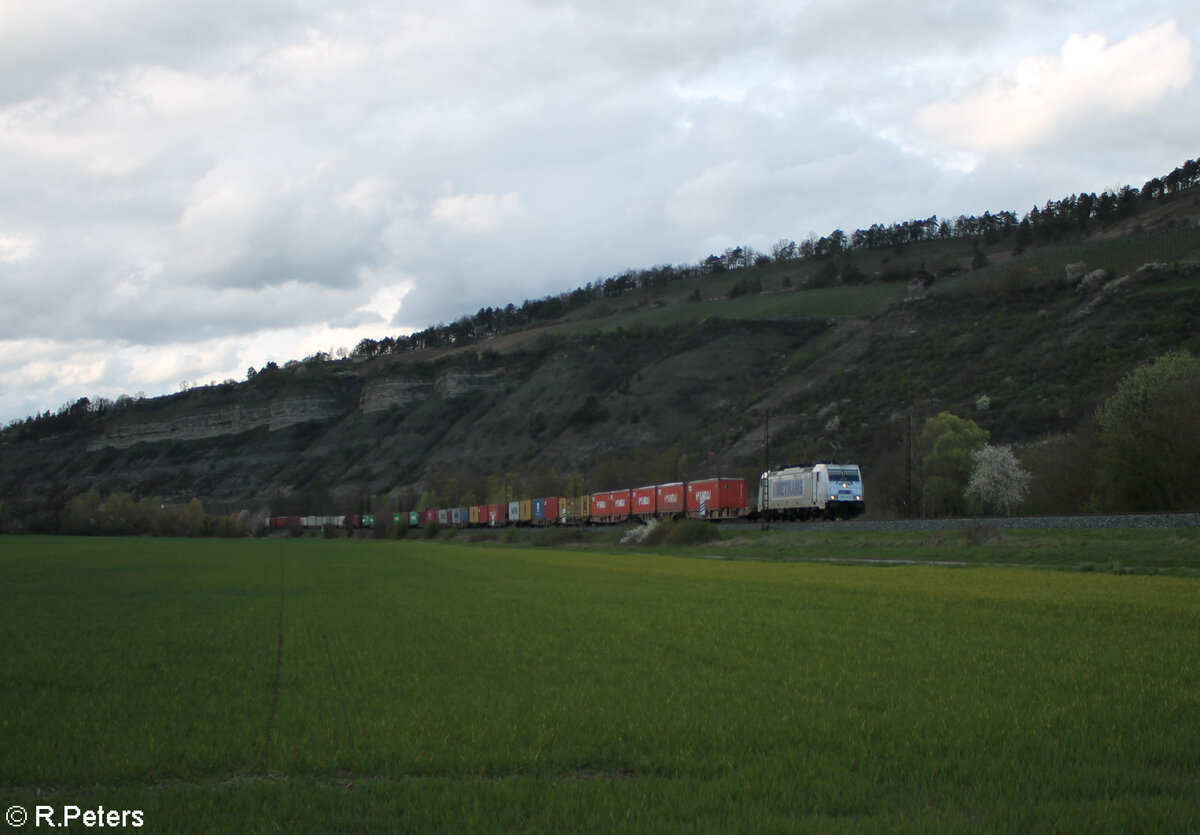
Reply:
x=315, y=686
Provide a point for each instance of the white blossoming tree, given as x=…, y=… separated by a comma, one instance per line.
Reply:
x=997, y=479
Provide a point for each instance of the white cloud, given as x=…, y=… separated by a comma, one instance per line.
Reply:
x=718, y=199
x=477, y=212
x=368, y=197
x=387, y=300
x=15, y=247
x=1081, y=90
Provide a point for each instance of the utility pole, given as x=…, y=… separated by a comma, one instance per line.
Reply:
x=767, y=442
x=762, y=483
x=908, y=472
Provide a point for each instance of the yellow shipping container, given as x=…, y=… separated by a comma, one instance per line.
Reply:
x=527, y=510
x=473, y=514
x=574, y=509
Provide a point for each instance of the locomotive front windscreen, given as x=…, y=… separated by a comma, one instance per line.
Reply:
x=844, y=474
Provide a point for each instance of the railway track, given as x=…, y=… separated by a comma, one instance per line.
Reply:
x=1080, y=522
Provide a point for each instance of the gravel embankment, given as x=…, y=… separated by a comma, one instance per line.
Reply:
x=1126, y=520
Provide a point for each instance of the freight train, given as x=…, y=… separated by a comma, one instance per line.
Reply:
x=823, y=491
x=350, y=522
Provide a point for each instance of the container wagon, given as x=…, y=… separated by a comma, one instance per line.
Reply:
x=716, y=498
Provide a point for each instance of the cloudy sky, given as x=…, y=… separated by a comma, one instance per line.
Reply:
x=192, y=187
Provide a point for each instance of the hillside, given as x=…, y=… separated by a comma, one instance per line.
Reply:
x=663, y=382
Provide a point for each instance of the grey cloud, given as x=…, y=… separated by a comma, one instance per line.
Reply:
x=56, y=42
x=203, y=171
x=856, y=30
x=198, y=313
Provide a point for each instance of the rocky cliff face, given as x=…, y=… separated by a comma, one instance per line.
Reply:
x=567, y=405
x=391, y=392
x=379, y=393
x=215, y=423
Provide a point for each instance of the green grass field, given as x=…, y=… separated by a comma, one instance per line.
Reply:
x=377, y=686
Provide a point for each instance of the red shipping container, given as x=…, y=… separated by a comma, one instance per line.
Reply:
x=497, y=514
x=622, y=504
x=670, y=497
x=716, y=497
x=645, y=501
x=551, y=510
x=601, y=506
x=428, y=517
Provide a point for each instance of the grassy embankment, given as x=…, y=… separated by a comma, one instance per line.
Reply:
x=312, y=685
x=1120, y=551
